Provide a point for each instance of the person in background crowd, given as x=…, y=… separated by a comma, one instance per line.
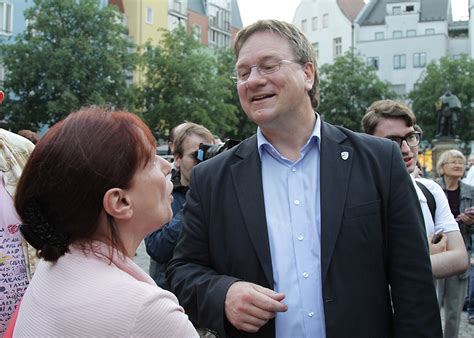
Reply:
x=154, y=268
x=160, y=244
x=395, y=121
x=17, y=259
x=90, y=192
x=470, y=173
x=452, y=290
x=30, y=135
x=301, y=230
x=171, y=137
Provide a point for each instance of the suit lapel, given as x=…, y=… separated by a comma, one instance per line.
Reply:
x=336, y=163
x=247, y=178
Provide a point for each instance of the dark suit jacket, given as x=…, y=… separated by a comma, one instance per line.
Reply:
x=371, y=239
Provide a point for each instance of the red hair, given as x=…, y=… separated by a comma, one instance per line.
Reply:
x=73, y=166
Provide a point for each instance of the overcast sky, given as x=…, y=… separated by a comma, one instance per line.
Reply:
x=253, y=10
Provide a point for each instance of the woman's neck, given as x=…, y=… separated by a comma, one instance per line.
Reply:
x=451, y=183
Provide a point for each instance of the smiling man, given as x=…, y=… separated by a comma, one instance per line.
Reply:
x=299, y=231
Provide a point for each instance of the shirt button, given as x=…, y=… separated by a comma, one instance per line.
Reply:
x=305, y=274
x=293, y=170
x=297, y=202
x=311, y=314
x=300, y=238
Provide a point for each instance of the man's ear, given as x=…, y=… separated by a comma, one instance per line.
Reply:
x=177, y=160
x=117, y=203
x=309, y=72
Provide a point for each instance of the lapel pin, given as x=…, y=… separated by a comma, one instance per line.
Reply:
x=344, y=155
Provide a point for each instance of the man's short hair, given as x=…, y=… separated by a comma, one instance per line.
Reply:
x=187, y=129
x=444, y=157
x=30, y=135
x=386, y=109
x=302, y=48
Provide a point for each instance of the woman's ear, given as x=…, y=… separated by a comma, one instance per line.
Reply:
x=117, y=203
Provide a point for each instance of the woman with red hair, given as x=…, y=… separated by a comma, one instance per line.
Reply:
x=92, y=189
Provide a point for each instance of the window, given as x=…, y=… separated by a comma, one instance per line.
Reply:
x=325, y=20
x=149, y=15
x=397, y=34
x=178, y=6
x=399, y=89
x=419, y=60
x=411, y=32
x=197, y=32
x=399, y=61
x=316, y=49
x=303, y=26
x=6, y=15
x=218, y=39
x=429, y=31
x=379, y=36
x=314, y=23
x=373, y=62
x=337, y=47
x=396, y=10
x=410, y=8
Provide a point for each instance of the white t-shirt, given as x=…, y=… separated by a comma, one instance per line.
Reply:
x=470, y=176
x=444, y=219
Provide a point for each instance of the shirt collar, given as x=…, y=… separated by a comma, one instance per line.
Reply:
x=315, y=135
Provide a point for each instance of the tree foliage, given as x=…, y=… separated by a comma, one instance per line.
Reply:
x=348, y=87
x=183, y=82
x=73, y=53
x=447, y=74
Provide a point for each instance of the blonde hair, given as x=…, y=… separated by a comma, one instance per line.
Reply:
x=444, y=157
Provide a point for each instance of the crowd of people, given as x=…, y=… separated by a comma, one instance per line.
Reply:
x=304, y=229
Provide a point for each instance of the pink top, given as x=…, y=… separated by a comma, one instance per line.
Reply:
x=82, y=294
x=13, y=276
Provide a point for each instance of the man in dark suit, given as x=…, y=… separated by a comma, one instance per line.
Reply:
x=304, y=229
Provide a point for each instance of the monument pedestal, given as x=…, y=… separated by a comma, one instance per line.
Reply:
x=441, y=145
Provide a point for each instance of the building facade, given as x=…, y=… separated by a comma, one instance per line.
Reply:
x=329, y=25
x=400, y=37
x=214, y=22
x=12, y=22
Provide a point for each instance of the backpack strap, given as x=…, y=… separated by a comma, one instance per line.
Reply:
x=429, y=198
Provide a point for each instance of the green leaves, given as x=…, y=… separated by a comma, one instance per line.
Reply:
x=348, y=87
x=73, y=53
x=446, y=74
x=184, y=81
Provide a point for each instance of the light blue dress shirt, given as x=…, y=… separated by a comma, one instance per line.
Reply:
x=292, y=204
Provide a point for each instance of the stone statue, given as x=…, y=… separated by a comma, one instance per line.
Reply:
x=448, y=108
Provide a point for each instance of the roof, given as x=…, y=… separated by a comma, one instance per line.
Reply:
x=434, y=10
x=430, y=10
x=351, y=8
x=235, y=20
x=197, y=6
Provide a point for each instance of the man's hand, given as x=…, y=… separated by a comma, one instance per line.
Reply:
x=249, y=306
x=438, y=247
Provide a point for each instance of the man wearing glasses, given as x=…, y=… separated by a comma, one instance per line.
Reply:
x=395, y=121
x=300, y=230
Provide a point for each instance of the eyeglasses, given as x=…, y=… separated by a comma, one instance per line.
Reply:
x=412, y=139
x=458, y=162
x=264, y=68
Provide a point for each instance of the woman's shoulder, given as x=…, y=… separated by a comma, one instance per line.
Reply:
x=161, y=315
